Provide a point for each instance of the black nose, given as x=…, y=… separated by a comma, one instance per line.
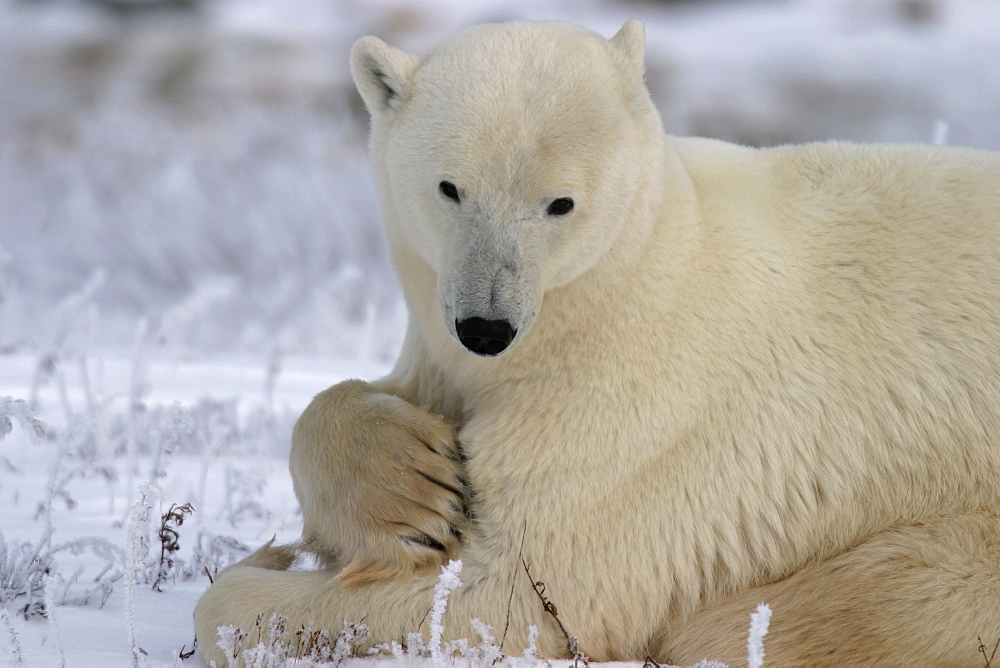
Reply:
x=485, y=337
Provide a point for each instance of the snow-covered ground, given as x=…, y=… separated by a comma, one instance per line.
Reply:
x=189, y=250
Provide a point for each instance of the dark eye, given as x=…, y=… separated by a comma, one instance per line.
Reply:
x=449, y=190
x=560, y=207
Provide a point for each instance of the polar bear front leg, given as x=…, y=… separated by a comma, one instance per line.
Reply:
x=380, y=482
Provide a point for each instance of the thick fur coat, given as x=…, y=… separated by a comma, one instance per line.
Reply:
x=726, y=375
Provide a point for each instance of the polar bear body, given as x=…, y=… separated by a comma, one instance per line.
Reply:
x=734, y=375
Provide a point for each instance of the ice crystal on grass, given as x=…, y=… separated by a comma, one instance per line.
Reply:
x=17, y=409
x=230, y=638
x=212, y=553
x=244, y=490
x=17, y=654
x=135, y=562
x=50, y=608
x=25, y=570
x=760, y=619
x=169, y=437
x=529, y=658
x=268, y=653
x=101, y=583
x=447, y=582
x=276, y=646
x=415, y=647
x=487, y=652
x=350, y=637
x=23, y=567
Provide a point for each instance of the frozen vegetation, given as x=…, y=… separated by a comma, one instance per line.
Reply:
x=189, y=250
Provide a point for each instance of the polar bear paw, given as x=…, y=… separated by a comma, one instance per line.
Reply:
x=381, y=483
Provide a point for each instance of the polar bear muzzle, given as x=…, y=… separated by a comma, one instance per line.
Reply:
x=485, y=337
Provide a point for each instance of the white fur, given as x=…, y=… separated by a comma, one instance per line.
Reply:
x=740, y=375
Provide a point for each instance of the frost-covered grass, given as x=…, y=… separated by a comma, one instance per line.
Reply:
x=119, y=508
x=276, y=642
x=189, y=250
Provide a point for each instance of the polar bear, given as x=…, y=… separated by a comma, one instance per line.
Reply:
x=673, y=377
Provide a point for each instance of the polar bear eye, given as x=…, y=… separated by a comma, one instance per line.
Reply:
x=449, y=190
x=560, y=207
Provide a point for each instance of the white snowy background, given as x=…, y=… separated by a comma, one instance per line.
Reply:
x=190, y=249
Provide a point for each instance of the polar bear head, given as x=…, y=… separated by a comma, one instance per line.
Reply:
x=508, y=159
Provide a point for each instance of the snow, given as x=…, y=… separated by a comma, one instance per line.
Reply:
x=190, y=250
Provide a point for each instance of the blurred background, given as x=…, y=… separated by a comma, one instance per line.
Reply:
x=192, y=174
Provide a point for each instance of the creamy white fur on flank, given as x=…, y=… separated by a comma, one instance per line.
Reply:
x=739, y=376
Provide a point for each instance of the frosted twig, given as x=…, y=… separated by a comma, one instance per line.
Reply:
x=271, y=378
x=760, y=619
x=72, y=315
x=22, y=568
x=138, y=387
x=415, y=648
x=15, y=642
x=352, y=634
x=56, y=483
x=446, y=584
x=169, y=537
x=205, y=295
x=19, y=410
x=50, y=608
x=103, y=581
x=230, y=639
x=169, y=440
x=530, y=657
x=135, y=560
x=489, y=653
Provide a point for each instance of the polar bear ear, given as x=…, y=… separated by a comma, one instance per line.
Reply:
x=629, y=46
x=382, y=73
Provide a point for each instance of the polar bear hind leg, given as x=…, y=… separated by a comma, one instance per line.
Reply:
x=927, y=589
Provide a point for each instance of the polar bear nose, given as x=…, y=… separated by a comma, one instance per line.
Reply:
x=485, y=337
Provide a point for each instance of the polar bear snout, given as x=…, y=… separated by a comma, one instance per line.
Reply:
x=485, y=337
